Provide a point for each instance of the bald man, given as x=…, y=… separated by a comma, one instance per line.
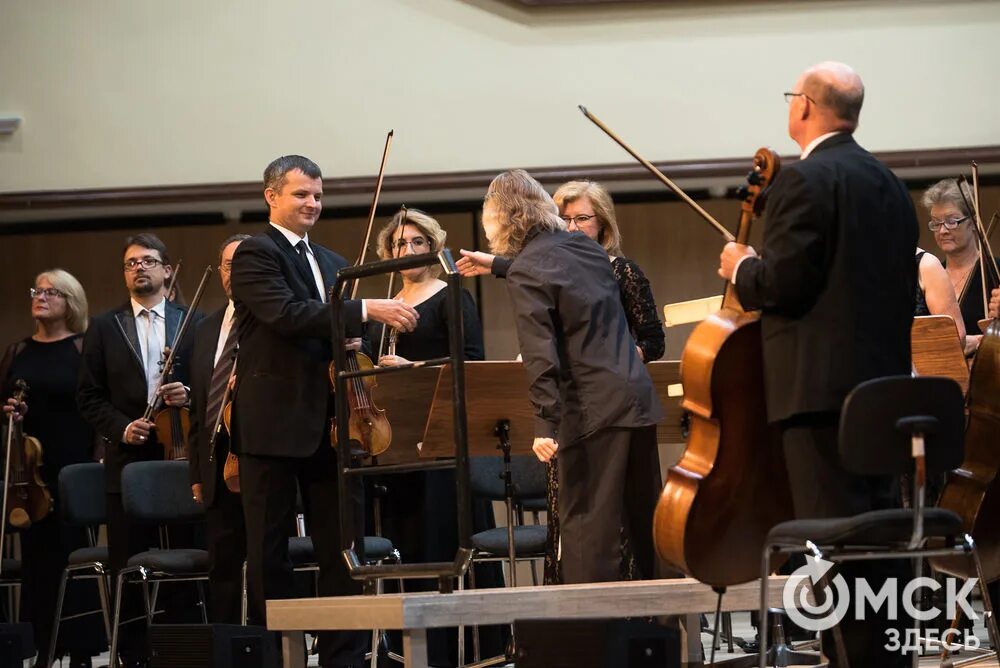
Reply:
x=835, y=281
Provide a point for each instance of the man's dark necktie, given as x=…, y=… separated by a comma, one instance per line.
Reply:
x=220, y=378
x=306, y=268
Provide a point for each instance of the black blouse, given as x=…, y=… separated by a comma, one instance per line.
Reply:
x=430, y=338
x=972, y=304
x=640, y=308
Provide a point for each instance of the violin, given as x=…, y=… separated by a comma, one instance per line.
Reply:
x=26, y=498
x=369, y=426
x=173, y=422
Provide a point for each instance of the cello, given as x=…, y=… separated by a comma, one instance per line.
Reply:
x=730, y=486
x=972, y=491
x=369, y=427
x=26, y=498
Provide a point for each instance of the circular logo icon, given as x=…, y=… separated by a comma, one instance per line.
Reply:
x=809, y=600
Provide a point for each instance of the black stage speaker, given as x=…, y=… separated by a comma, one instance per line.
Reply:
x=212, y=646
x=596, y=643
x=17, y=643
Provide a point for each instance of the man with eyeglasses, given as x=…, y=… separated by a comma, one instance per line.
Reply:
x=120, y=374
x=835, y=282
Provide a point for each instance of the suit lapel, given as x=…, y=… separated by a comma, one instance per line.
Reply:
x=174, y=315
x=293, y=256
x=327, y=268
x=126, y=327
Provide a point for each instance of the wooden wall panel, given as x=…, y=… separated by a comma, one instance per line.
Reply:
x=675, y=248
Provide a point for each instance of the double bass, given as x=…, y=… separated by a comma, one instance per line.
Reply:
x=730, y=487
x=26, y=498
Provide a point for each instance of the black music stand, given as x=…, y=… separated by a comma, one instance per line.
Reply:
x=500, y=417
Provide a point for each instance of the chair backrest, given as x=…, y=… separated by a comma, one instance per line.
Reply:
x=526, y=472
x=82, y=495
x=874, y=436
x=159, y=493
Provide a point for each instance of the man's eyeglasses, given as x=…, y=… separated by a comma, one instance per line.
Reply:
x=578, y=220
x=789, y=96
x=947, y=223
x=416, y=243
x=48, y=292
x=146, y=263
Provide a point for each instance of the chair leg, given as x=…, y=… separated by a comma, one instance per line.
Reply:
x=104, y=593
x=202, y=601
x=476, y=656
x=54, y=638
x=765, y=573
x=243, y=601
x=113, y=656
x=461, y=629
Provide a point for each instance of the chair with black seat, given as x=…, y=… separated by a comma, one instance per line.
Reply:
x=83, y=504
x=889, y=427
x=10, y=579
x=514, y=542
x=159, y=493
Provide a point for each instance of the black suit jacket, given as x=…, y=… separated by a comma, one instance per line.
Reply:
x=282, y=396
x=203, y=471
x=835, y=279
x=583, y=369
x=112, y=389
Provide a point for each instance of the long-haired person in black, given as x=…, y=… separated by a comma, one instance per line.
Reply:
x=595, y=404
x=49, y=362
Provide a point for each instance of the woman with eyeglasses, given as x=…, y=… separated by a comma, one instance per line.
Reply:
x=955, y=235
x=49, y=362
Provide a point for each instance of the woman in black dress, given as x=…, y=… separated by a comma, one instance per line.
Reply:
x=419, y=512
x=49, y=362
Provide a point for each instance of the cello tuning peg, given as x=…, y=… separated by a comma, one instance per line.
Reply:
x=753, y=178
x=743, y=192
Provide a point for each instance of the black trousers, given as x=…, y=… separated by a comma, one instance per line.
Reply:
x=822, y=488
x=227, y=548
x=268, y=489
x=608, y=480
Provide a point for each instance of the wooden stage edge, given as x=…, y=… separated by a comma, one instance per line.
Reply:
x=415, y=613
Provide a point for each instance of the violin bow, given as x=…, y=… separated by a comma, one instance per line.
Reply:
x=371, y=212
x=719, y=227
x=392, y=277
x=168, y=364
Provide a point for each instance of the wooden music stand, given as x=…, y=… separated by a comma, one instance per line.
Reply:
x=406, y=399
x=495, y=391
x=937, y=350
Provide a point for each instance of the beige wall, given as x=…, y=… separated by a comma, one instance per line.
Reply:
x=127, y=92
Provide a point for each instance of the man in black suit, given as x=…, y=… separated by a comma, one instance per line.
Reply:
x=594, y=400
x=119, y=375
x=212, y=361
x=282, y=401
x=835, y=282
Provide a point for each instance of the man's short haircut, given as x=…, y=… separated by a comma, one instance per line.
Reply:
x=149, y=241
x=231, y=239
x=274, y=175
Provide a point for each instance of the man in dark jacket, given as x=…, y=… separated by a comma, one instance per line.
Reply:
x=835, y=282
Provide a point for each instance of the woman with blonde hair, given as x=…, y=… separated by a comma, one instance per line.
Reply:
x=49, y=362
x=595, y=404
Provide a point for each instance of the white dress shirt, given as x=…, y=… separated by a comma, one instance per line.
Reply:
x=228, y=319
x=158, y=338
x=810, y=147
